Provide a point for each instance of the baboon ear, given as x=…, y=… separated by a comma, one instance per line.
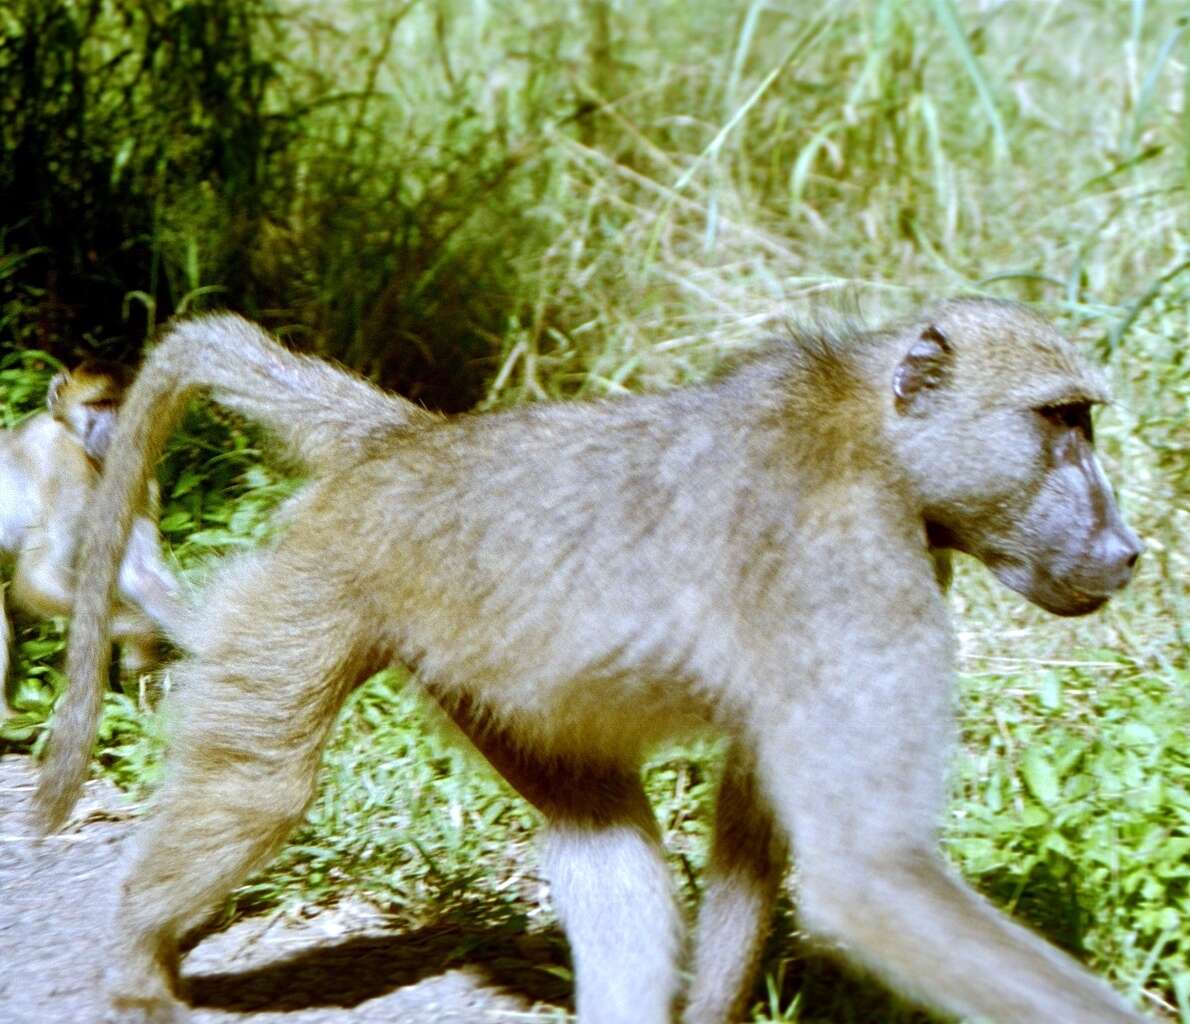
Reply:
x=923, y=369
x=51, y=395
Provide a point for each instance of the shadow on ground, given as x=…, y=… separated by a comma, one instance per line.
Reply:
x=360, y=968
x=533, y=966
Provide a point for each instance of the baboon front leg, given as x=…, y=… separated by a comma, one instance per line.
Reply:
x=610, y=884
x=748, y=860
x=909, y=917
x=862, y=800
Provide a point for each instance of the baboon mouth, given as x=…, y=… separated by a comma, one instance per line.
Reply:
x=1073, y=604
x=1057, y=596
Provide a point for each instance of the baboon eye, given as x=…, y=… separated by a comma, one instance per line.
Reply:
x=1069, y=416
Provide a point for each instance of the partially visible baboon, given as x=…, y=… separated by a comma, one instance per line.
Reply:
x=49, y=466
x=577, y=582
x=86, y=401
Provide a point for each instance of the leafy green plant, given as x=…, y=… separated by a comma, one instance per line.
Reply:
x=1075, y=803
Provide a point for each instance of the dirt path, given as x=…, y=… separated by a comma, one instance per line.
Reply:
x=345, y=964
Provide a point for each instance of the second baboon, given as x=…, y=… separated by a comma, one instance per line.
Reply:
x=49, y=466
x=577, y=582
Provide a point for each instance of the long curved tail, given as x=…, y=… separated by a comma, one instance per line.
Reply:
x=322, y=414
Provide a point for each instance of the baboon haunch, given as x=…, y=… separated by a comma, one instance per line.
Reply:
x=577, y=582
x=49, y=466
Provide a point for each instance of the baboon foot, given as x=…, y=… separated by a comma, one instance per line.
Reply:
x=146, y=1010
x=142, y=992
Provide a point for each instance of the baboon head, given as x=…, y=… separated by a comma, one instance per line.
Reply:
x=86, y=400
x=991, y=416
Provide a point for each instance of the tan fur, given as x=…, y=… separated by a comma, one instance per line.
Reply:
x=47, y=483
x=578, y=582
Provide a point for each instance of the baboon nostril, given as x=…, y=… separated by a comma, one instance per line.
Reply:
x=1135, y=547
x=1120, y=551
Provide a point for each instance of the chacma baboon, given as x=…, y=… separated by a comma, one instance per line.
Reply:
x=576, y=582
x=49, y=466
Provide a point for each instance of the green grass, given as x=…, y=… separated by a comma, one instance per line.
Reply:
x=583, y=198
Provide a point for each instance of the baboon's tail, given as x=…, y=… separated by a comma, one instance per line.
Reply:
x=321, y=413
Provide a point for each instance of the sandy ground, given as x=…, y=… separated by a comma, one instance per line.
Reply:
x=341, y=964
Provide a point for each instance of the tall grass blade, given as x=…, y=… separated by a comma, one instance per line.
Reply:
x=1144, y=100
x=805, y=39
x=1186, y=125
x=742, y=49
x=954, y=29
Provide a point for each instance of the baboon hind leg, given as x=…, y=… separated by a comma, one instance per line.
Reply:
x=602, y=856
x=247, y=727
x=608, y=878
x=748, y=859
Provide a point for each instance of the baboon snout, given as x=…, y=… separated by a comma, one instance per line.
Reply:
x=1115, y=553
